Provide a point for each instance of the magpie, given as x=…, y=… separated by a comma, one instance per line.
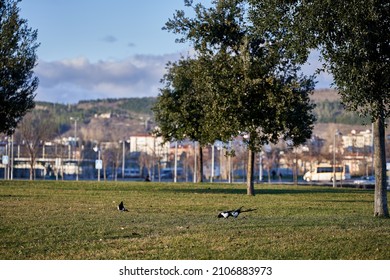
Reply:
x=121, y=207
x=233, y=213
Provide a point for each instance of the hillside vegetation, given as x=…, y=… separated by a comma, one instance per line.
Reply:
x=329, y=109
x=133, y=115
x=85, y=110
x=123, y=117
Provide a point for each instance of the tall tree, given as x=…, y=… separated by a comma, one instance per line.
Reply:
x=354, y=39
x=181, y=106
x=17, y=59
x=254, y=88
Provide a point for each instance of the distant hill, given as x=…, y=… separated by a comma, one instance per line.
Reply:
x=329, y=109
x=325, y=94
x=119, y=106
x=106, y=119
x=128, y=116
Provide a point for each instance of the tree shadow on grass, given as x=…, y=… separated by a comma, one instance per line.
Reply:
x=265, y=191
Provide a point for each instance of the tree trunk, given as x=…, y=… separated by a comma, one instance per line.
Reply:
x=32, y=164
x=32, y=168
x=199, y=175
x=381, y=208
x=249, y=173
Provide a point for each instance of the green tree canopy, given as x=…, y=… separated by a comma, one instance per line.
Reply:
x=354, y=40
x=248, y=85
x=17, y=60
x=181, y=108
x=177, y=109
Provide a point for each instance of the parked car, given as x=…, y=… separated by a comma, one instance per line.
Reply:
x=131, y=173
x=365, y=180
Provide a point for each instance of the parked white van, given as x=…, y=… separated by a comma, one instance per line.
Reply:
x=325, y=172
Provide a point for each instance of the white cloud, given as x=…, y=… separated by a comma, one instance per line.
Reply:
x=72, y=80
x=68, y=81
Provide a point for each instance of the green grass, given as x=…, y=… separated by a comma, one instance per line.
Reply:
x=79, y=220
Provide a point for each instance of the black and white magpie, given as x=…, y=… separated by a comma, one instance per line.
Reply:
x=233, y=213
x=121, y=207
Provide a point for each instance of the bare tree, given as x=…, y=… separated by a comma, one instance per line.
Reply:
x=35, y=128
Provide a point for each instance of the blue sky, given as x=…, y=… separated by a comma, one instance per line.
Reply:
x=94, y=49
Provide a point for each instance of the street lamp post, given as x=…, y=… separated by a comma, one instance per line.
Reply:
x=12, y=157
x=123, y=159
x=5, y=161
x=75, y=146
x=98, y=163
x=123, y=156
x=230, y=163
x=261, y=166
x=212, y=163
x=175, y=165
x=337, y=133
x=219, y=146
x=195, y=163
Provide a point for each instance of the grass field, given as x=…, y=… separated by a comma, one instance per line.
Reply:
x=79, y=220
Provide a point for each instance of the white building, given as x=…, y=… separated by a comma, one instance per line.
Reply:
x=358, y=142
x=150, y=145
